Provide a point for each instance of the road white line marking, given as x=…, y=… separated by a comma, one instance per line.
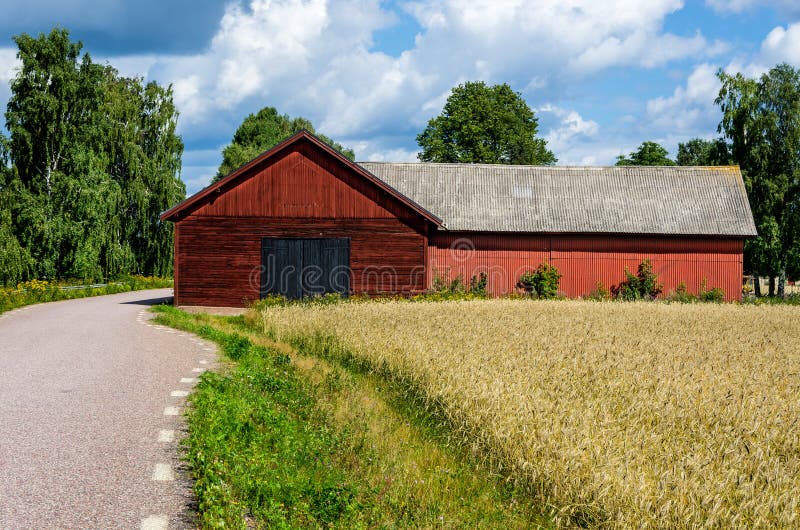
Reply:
x=188, y=379
x=179, y=393
x=163, y=473
x=208, y=349
x=198, y=370
x=203, y=361
x=155, y=522
x=166, y=435
x=171, y=411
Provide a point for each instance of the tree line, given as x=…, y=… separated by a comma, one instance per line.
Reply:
x=90, y=160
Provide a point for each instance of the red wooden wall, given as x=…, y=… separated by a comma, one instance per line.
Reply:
x=303, y=193
x=586, y=259
x=304, y=183
x=220, y=257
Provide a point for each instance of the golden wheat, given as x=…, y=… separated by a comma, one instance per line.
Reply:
x=634, y=415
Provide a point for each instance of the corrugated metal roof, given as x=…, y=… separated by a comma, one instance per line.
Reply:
x=552, y=199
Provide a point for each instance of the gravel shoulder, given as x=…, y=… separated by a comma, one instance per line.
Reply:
x=83, y=430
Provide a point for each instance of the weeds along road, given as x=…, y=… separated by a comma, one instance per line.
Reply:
x=90, y=404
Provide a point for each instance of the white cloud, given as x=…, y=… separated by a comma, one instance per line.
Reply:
x=782, y=45
x=314, y=57
x=572, y=128
x=690, y=110
x=130, y=65
x=8, y=64
x=373, y=151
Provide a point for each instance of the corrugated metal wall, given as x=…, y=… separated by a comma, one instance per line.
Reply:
x=586, y=260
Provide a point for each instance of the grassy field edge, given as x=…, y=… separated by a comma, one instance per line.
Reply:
x=342, y=411
x=39, y=292
x=440, y=422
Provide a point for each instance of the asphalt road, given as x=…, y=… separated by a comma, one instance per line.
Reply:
x=90, y=414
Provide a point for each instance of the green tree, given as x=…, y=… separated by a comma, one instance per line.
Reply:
x=262, y=131
x=95, y=160
x=143, y=155
x=15, y=261
x=53, y=98
x=648, y=154
x=700, y=152
x=484, y=124
x=761, y=120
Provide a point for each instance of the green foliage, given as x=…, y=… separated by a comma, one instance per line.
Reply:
x=700, y=152
x=256, y=446
x=542, y=282
x=442, y=284
x=478, y=284
x=640, y=286
x=761, y=120
x=648, y=154
x=714, y=294
x=37, y=291
x=600, y=293
x=682, y=295
x=445, y=288
x=277, y=300
x=278, y=444
x=15, y=260
x=484, y=124
x=94, y=160
x=789, y=299
x=261, y=131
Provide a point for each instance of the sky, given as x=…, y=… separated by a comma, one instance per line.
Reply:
x=601, y=75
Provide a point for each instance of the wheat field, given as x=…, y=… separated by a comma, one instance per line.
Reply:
x=615, y=415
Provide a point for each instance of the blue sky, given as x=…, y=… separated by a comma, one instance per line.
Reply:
x=602, y=75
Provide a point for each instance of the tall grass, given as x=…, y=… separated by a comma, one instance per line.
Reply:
x=38, y=291
x=628, y=415
x=282, y=440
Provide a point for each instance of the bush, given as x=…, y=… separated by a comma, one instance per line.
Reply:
x=478, y=284
x=443, y=284
x=542, y=283
x=715, y=294
x=640, y=286
x=600, y=293
x=682, y=295
x=443, y=288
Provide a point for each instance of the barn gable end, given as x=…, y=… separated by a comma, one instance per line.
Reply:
x=300, y=189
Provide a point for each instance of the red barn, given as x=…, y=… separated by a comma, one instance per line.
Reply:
x=301, y=220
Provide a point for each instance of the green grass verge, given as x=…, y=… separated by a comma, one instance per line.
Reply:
x=282, y=439
x=36, y=291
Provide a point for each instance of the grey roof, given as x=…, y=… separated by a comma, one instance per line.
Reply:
x=552, y=199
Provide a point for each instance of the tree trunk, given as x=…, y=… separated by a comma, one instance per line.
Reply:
x=757, y=285
x=771, y=285
x=782, y=283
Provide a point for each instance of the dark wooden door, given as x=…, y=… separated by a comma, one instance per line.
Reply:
x=298, y=268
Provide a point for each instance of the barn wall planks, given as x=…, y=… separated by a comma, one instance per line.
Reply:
x=220, y=257
x=584, y=260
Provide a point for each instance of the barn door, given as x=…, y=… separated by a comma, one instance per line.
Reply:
x=298, y=268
